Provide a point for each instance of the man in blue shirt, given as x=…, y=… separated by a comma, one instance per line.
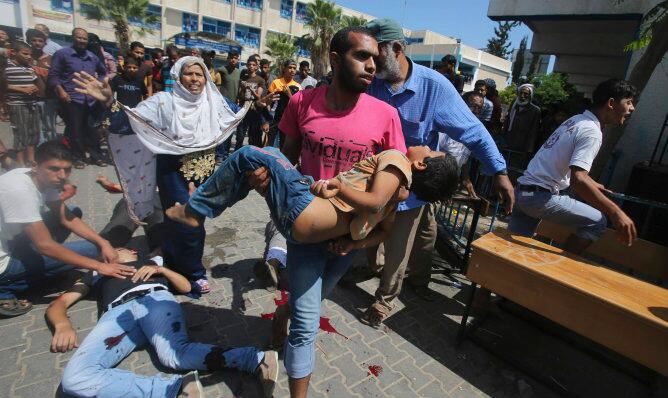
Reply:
x=76, y=106
x=427, y=104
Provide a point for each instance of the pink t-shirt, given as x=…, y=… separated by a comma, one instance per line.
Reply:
x=333, y=141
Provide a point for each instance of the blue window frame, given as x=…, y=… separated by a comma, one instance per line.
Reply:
x=252, y=4
x=215, y=26
x=190, y=23
x=247, y=36
x=152, y=10
x=62, y=5
x=225, y=1
x=286, y=8
x=302, y=14
x=411, y=40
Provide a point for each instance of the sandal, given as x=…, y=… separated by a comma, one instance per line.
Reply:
x=13, y=307
x=374, y=315
x=203, y=284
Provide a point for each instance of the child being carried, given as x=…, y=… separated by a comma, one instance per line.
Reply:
x=351, y=204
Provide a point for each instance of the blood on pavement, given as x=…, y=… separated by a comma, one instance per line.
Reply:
x=375, y=370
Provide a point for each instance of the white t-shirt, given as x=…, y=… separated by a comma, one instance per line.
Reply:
x=575, y=143
x=20, y=203
x=454, y=148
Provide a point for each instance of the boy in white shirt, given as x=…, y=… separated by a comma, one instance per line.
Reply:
x=564, y=161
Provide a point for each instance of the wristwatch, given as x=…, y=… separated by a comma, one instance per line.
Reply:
x=503, y=172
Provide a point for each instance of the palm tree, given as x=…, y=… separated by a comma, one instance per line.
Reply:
x=348, y=21
x=324, y=19
x=280, y=47
x=119, y=13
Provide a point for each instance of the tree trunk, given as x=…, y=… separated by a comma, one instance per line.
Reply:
x=122, y=30
x=639, y=77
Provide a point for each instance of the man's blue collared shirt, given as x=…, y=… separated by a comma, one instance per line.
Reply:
x=65, y=62
x=428, y=104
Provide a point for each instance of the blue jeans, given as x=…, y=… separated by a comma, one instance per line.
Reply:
x=288, y=193
x=27, y=268
x=532, y=207
x=155, y=319
x=314, y=271
x=183, y=246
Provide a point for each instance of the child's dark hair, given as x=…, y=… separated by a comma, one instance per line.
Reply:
x=131, y=60
x=52, y=150
x=438, y=181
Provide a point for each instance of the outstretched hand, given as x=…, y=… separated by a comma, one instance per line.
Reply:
x=89, y=85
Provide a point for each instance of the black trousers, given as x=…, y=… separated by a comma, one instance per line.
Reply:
x=83, y=138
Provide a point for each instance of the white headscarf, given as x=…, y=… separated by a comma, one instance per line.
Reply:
x=517, y=104
x=181, y=122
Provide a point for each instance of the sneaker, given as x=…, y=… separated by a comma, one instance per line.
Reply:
x=191, y=387
x=267, y=372
x=266, y=272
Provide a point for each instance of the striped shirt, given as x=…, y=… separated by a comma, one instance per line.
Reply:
x=20, y=76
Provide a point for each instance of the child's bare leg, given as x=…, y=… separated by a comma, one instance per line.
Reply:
x=184, y=215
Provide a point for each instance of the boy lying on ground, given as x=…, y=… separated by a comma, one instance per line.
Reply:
x=353, y=203
x=141, y=311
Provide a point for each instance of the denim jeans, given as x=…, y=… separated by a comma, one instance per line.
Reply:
x=314, y=271
x=288, y=193
x=27, y=267
x=157, y=320
x=532, y=207
x=183, y=246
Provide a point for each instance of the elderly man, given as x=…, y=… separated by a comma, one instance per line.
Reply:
x=427, y=104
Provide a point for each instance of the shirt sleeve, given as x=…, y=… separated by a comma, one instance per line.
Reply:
x=396, y=159
x=20, y=207
x=455, y=119
x=587, y=144
x=394, y=136
x=56, y=69
x=289, y=123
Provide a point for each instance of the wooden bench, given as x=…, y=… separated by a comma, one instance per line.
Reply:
x=617, y=310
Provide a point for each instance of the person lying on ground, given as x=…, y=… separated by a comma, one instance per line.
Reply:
x=138, y=312
x=346, y=208
x=31, y=241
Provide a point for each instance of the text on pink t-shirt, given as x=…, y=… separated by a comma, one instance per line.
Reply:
x=332, y=141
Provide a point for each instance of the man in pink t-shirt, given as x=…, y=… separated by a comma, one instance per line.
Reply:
x=329, y=128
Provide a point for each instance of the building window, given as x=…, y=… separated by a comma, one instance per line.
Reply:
x=225, y=1
x=247, y=36
x=190, y=23
x=286, y=9
x=62, y=5
x=252, y=4
x=152, y=10
x=215, y=26
x=302, y=15
x=414, y=40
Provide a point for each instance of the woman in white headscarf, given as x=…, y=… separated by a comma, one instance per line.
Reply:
x=522, y=124
x=176, y=136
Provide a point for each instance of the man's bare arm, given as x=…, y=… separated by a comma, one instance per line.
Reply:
x=64, y=335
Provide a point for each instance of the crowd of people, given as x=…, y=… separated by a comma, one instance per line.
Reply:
x=377, y=142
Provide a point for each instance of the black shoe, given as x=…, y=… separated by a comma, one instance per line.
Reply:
x=79, y=164
x=423, y=292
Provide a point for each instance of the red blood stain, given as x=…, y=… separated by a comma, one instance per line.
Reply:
x=283, y=299
x=375, y=370
x=268, y=316
x=327, y=327
x=112, y=342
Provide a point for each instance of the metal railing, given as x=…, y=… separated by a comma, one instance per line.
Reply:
x=459, y=220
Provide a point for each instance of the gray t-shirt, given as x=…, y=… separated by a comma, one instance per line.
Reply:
x=20, y=203
x=230, y=83
x=575, y=143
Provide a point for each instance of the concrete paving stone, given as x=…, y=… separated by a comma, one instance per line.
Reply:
x=352, y=371
x=38, y=342
x=323, y=371
x=44, y=388
x=14, y=334
x=390, y=353
x=415, y=376
x=10, y=360
x=443, y=374
x=401, y=388
x=386, y=376
x=335, y=387
x=369, y=389
x=39, y=368
x=464, y=390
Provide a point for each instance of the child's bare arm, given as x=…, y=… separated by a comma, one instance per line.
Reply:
x=345, y=245
x=178, y=281
x=64, y=335
x=385, y=184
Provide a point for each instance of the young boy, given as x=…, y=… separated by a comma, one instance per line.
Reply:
x=353, y=203
x=137, y=312
x=128, y=85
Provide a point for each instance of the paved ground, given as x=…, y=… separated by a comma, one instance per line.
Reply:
x=414, y=353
